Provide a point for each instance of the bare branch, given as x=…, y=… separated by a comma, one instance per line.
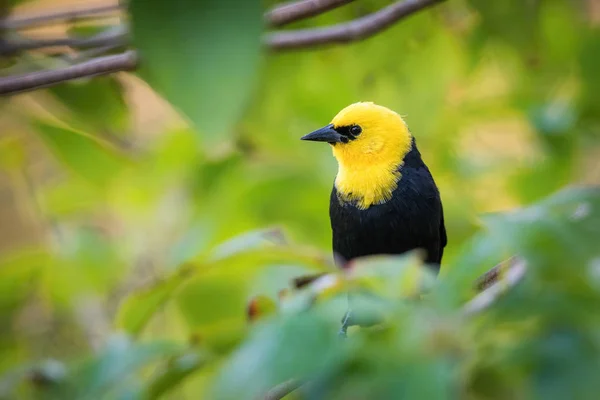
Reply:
x=64, y=15
x=112, y=37
x=340, y=33
x=99, y=66
x=494, y=274
x=280, y=391
x=298, y=10
x=355, y=30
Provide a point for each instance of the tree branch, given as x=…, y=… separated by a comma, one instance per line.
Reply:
x=494, y=275
x=298, y=10
x=340, y=33
x=33, y=21
x=112, y=37
x=99, y=66
x=493, y=291
x=355, y=30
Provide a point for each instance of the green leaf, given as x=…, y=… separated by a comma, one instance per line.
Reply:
x=87, y=263
x=17, y=272
x=522, y=30
x=245, y=256
x=174, y=373
x=112, y=373
x=95, y=105
x=248, y=241
x=392, y=276
x=560, y=230
x=12, y=153
x=214, y=307
x=136, y=310
x=203, y=57
x=44, y=374
x=83, y=155
x=291, y=347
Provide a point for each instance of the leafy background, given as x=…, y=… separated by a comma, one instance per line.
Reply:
x=150, y=222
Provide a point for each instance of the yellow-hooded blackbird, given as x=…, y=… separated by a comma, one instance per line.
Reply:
x=384, y=199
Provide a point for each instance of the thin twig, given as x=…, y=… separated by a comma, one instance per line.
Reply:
x=280, y=391
x=355, y=30
x=494, y=274
x=33, y=21
x=99, y=66
x=487, y=297
x=341, y=33
x=112, y=37
x=294, y=11
x=93, y=53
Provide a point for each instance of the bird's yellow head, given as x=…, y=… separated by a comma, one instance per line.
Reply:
x=369, y=142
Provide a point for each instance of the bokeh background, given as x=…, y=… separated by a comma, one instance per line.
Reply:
x=105, y=188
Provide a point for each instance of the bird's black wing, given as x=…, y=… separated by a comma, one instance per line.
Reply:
x=443, y=237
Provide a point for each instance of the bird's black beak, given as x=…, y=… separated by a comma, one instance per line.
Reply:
x=326, y=134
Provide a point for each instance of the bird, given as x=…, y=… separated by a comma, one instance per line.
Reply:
x=384, y=200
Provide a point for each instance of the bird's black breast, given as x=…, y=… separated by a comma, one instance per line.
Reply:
x=413, y=218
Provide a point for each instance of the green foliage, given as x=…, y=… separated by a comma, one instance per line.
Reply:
x=201, y=55
x=97, y=105
x=162, y=266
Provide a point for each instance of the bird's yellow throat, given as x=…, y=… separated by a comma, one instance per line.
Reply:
x=368, y=167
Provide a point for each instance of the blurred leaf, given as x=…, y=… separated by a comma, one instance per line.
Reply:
x=589, y=61
x=234, y=263
x=12, y=153
x=291, y=347
x=477, y=256
x=565, y=360
x=260, y=307
x=274, y=278
x=85, y=264
x=13, y=3
x=248, y=241
x=521, y=33
x=112, y=373
x=192, y=243
x=535, y=181
x=18, y=272
x=557, y=231
x=87, y=30
x=82, y=154
x=214, y=307
x=392, y=276
x=174, y=372
x=202, y=59
x=95, y=105
x=45, y=374
x=136, y=310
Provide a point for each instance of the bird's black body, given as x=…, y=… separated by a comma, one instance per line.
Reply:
x=413, y=218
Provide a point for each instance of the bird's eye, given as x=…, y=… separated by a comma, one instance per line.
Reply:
x=355, y=130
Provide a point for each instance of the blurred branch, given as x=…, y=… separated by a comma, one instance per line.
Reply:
x=283, y=389
x=112, y=37
x=341, y=33
x=33, y=21
x=100, y=66
x=298, y=10
x=494, y=274
x=514, y=272
x=355, y=30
